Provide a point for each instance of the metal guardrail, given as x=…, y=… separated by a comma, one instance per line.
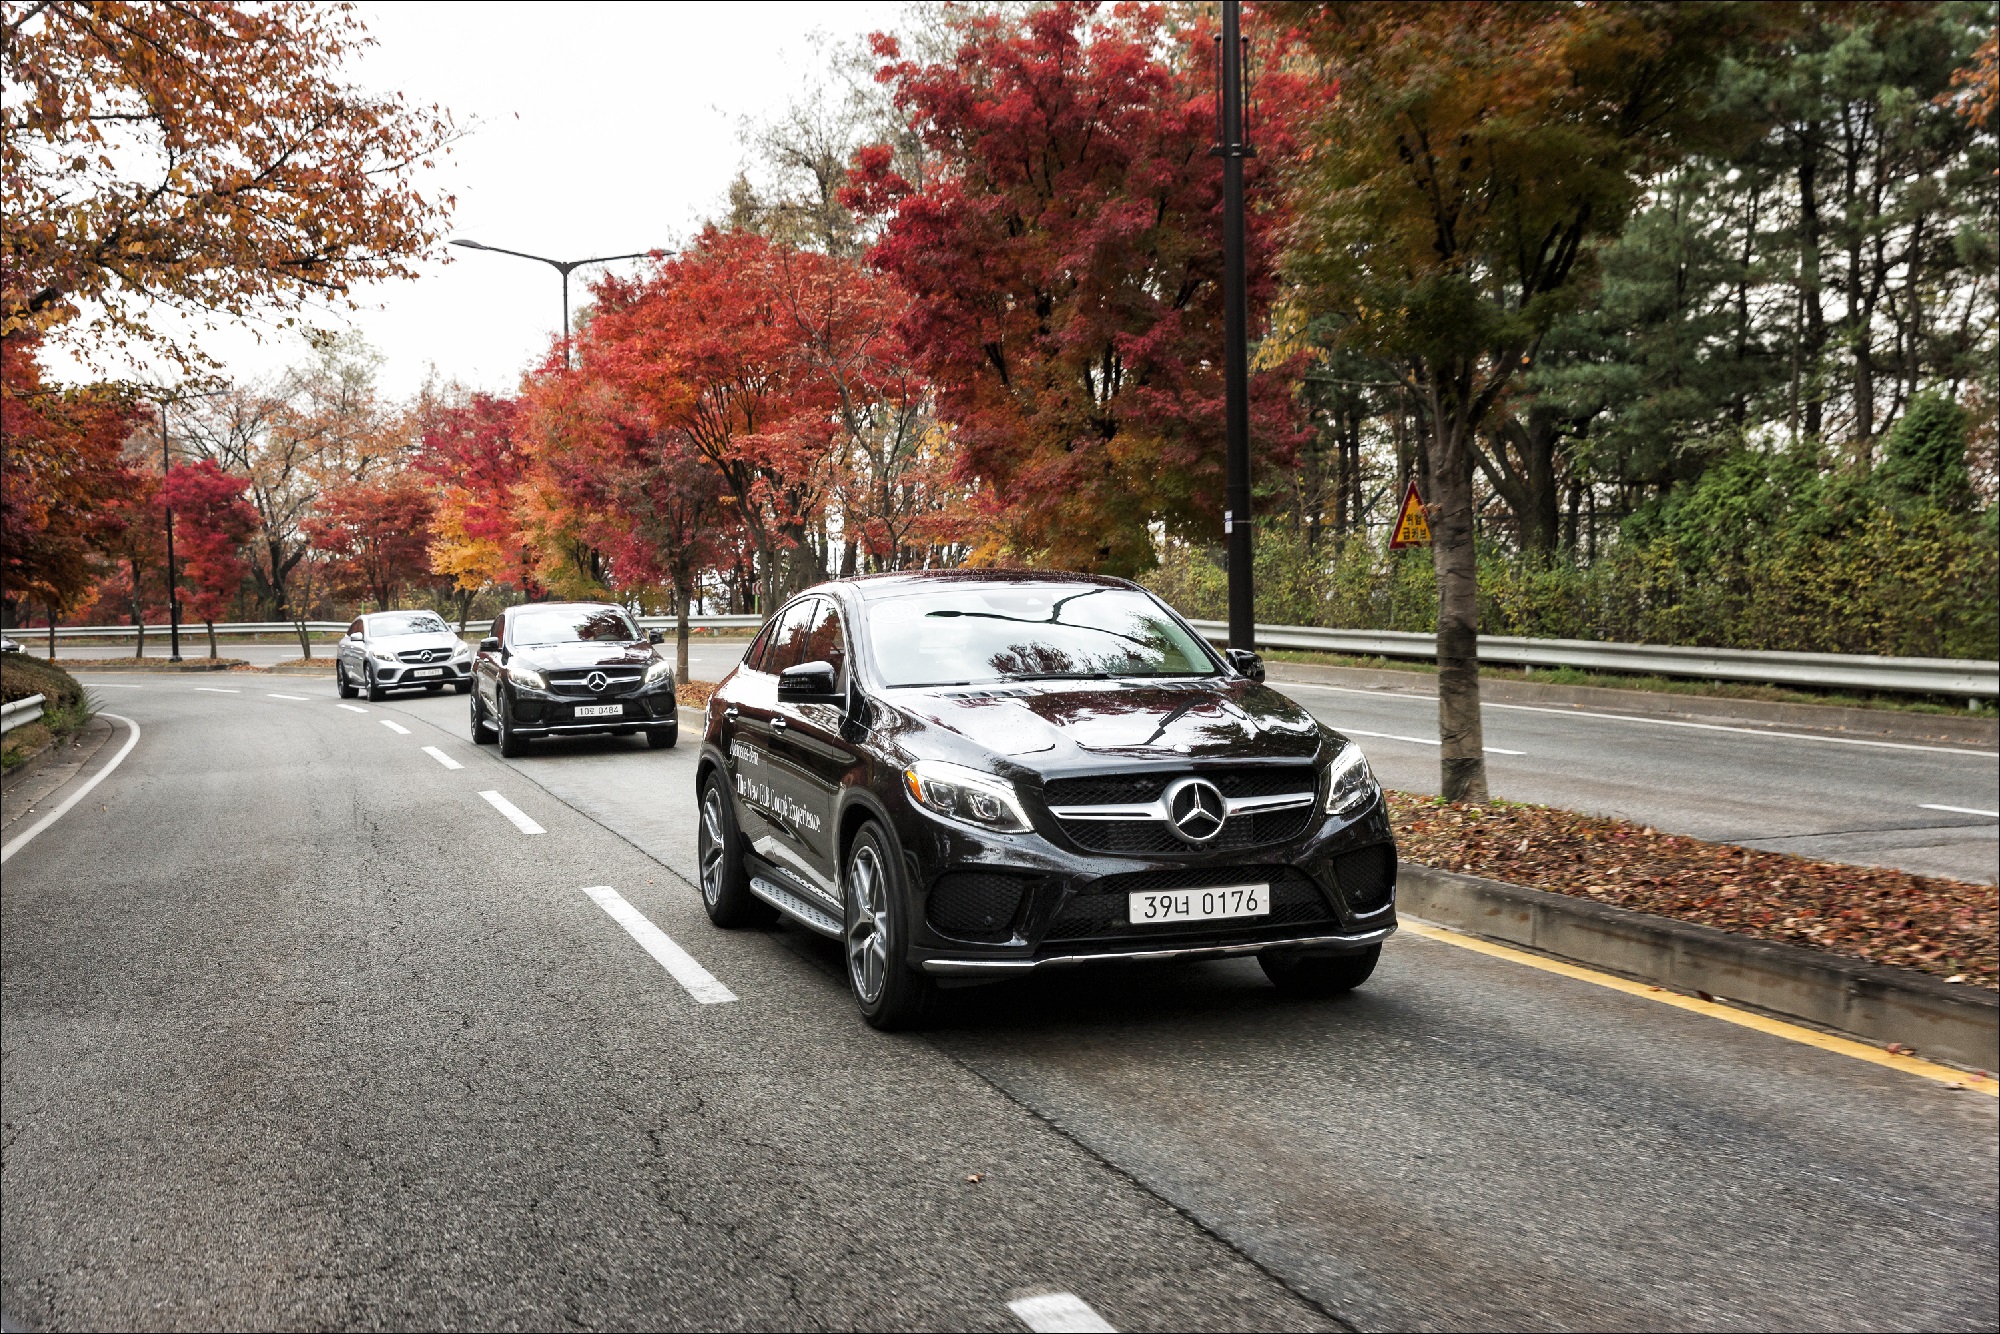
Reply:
x=20, y=713
x=1971, y=679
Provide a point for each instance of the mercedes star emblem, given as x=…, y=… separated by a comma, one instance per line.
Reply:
x=1196, y=810
x=596, y=681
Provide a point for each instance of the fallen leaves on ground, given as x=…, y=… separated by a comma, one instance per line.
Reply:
x=694, y=694
x=1947, y=927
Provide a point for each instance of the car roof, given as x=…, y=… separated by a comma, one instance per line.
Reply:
x=892, y=583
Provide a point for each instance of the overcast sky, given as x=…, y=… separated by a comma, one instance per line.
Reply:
x=601, y=129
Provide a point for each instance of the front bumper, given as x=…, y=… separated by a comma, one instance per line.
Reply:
x=996, y=968
x=538, y=714
x=399, y=675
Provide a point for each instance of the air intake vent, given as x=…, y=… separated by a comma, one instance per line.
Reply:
x=1367, y=877
x=975, y=905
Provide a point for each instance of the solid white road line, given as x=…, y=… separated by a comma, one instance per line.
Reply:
x=1662, y=722
x=1059, y=1313
x=20, y=841
x=1960, y=810
x=1422, y=740
x=351, y=708
x=513, y=813
x=700, y=983
x=442, y=758
x=300, y=698
x=111, y=685
x=397, y=728
x=217, y=690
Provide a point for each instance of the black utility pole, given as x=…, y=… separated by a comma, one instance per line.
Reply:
x=565, y=267
x=166, y=502
x=1232, y=149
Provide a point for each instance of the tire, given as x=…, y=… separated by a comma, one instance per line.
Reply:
x=482, y=731
x=1318, y=975
x=462, y=687
x=511, y=744
x=341, y=683
x=725, y=888
x=875, y=940
x=662, y=738
x=435, y=688
x=376, y=694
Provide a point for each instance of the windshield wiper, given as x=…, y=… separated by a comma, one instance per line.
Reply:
x=1059, y=676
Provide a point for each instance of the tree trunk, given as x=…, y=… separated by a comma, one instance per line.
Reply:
x=1809, y=282
x=138, y=615
x=683, y=595
x=305, y=642
x=211, y=639
x=1456, y=559
x=52, y=630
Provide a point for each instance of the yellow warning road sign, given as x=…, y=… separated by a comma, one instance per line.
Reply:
x=1412, y=528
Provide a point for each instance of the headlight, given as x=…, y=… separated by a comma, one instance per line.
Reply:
x=527, y=676
x=383, y=655
x=1350, y=785
x=462, y=652
x=658, y=670
x=966, y=795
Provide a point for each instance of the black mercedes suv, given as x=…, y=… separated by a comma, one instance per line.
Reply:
x=967, y=775
x=564, y=668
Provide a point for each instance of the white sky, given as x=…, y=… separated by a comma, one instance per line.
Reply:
x=601, y=129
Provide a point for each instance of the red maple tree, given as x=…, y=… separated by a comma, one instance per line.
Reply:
x=375, y=536
x=1064, y=253
x=212, y=521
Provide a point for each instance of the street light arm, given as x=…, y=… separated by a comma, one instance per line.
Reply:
x=518, y=254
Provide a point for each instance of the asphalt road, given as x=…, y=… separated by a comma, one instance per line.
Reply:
x=301, y=1030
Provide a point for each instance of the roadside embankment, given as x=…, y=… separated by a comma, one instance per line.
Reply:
x=65, y=708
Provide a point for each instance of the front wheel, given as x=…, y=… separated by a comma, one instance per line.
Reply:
x=1318, y=974
x=891, y=994
x=511, y=744
x=662, y=738
x=376, y=694
x=462, y=687
x=725, y=889
x=482, y=731
x=341, y=683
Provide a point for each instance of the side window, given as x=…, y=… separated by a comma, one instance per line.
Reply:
x=753, y=658
x=826, y=643
x=788, y=642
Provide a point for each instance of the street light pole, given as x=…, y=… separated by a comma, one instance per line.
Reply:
x=167, y=503
x=565, y=267
x=1236, y=525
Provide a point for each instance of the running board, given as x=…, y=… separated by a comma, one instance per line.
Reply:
x=794, y=907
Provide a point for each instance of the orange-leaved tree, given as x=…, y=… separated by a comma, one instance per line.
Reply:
x=375, y=537
x=207, y=156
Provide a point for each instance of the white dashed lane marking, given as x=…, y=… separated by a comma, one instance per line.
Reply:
x=300, y=698
x=351, y=708
x=513, y=813
x=397, y=728
x=1422, y=740
x=217, y=690
x=442, y=758
x=1960, y=810
x=700, y=983
x=1059, y=1313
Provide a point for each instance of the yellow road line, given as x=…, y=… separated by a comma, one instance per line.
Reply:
x=1860, y=1051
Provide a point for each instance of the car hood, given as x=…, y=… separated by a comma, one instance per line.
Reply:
x=595, y=653
x=1081, y=720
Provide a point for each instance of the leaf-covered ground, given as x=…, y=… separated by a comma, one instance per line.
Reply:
x=1947, y=927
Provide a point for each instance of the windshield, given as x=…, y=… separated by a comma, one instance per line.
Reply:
x=568, y=625
x=406, y=623
x=958, y=637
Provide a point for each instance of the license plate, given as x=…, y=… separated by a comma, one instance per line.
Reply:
x=599, y=710
x=428, y=671
x=1200, y=905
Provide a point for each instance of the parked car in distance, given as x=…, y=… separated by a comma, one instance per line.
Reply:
x=9, y=645
x=967, y=775
x=400, y=650
x=568, y=668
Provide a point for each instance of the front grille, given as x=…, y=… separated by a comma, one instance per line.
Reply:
x=618, y=681
x=1098, y=910
x=423, y=656
x=1239, y=834
x=976, y=905
x=1367, y=876
x=1121, y=789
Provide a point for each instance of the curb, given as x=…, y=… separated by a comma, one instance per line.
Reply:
x=1886, y=724
x=1871, y=1002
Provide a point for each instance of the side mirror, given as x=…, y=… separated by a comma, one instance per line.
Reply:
x=656, y=636
x=1246, y=663
x=808, y=683
x=489, y=645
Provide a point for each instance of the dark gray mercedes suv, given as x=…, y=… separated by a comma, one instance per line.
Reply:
x=970, y=775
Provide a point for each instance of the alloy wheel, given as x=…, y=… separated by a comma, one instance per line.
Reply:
x=867, y=925
x=714, y=844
